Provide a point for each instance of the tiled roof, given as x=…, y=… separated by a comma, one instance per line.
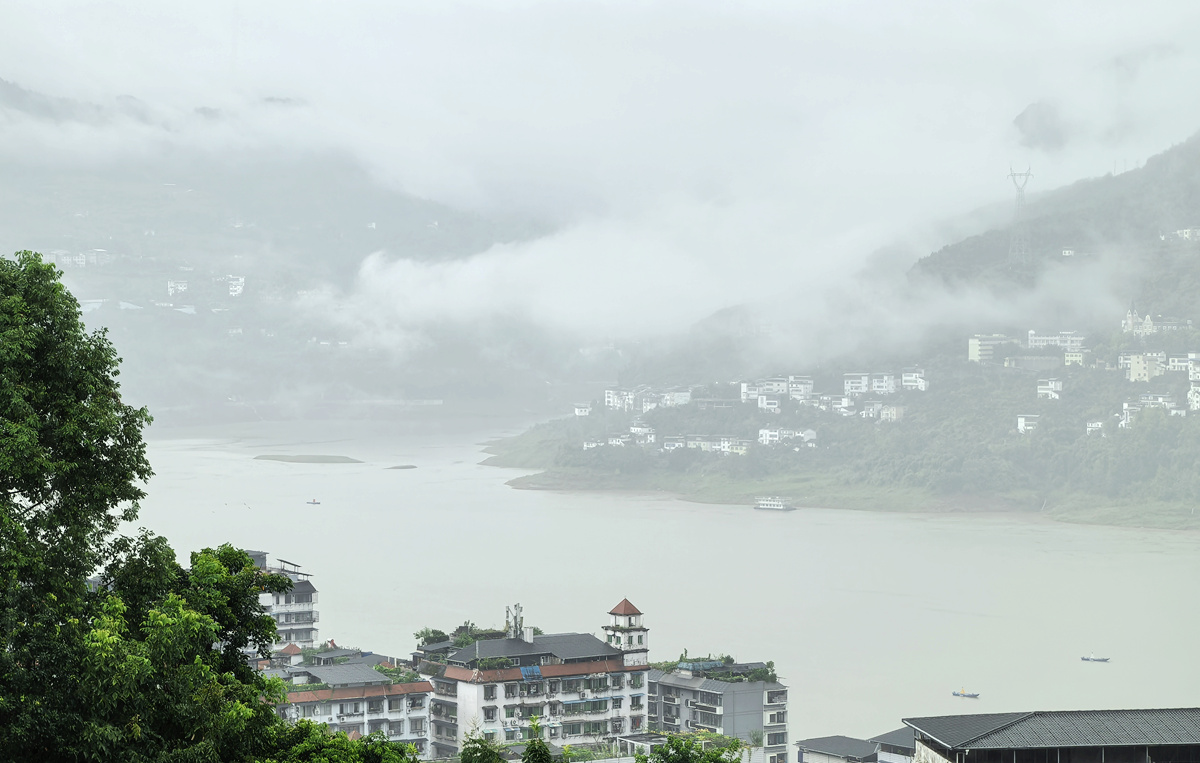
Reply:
x=625, y=608
x=334, y=675
x=290, y=649
x=548, y=671
x=840, y=747
x=360, y=692
x=1071, y=728
x=901, y=737
x=565, y=646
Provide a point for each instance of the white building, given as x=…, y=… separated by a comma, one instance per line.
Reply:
x=1049, y=389
x=749, y=391
x=914, y=379
x=800, y=387
x=619, y=399
x=883, y=384
x=294, y=612
x=891, y=413
x=582, y=689
x=1143, y=368
x=769, y=403
x=1066, y=340
x=400, y=711
x=583, y=409
x=1095, y=427
x=1027, y=422
x=856, y=383
x=981, y=348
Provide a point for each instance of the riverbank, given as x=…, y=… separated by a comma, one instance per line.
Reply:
x=537, y=449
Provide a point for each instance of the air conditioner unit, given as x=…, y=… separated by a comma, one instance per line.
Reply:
x=583, y=694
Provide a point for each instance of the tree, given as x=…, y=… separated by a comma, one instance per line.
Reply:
x=678, y=749
x=144, y=663
x=427, y=636
x=71, y=463
x=536, y=750
x=476, y=749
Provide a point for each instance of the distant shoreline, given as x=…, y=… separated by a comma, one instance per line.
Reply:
x=303, y=459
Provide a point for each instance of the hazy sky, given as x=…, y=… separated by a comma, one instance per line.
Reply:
x=691, y=155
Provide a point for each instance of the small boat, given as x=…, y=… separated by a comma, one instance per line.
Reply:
x=1094, y=658
x=313, y=502
x=773, y=503
x=966, y=694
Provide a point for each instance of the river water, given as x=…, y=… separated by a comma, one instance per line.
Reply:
x=869, y=617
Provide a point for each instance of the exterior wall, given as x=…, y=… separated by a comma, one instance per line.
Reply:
x=926, y=754
x=741, y=709
x=402, y=717
x=812, y=756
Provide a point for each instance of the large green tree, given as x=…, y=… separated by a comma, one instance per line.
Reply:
x=147, y=661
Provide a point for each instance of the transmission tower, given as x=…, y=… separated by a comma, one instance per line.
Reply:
x=1018, y=243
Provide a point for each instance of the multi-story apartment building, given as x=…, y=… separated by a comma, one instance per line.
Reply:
x=981, y=348
x=693, y=698
x=294, y=612
x=401, y=711
x=582, y=689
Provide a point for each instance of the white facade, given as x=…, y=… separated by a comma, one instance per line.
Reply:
x=854, y=384
x=914, y=379
x=1049, y=389
x=769, y=403
x=1027, y=423
x=800, y=387
x=883, y=384
x=400, y=711
x=1066, y=340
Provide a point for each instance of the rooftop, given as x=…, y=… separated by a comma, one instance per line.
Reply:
x=841, y=747
x=1065, y=728
x=565, y=646
x=625, y=608
x=342, y=675
x=901, y=737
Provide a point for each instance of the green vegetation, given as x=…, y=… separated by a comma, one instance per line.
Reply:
x=495, y=663
x=145, y=665
x=955, y=448
x=399, y=675
x=427, y=636
x=692, y=748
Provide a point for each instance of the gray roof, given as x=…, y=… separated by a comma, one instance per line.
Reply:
x=840, y=747
x=565, y=646
x=1069, y=728
x=901, y=737
x=303, y=586
x=343, y=675
x=333, y=654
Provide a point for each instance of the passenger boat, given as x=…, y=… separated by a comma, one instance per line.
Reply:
x=1094, y=658
x=773, y=503
x=313, y=502
x=967, y=695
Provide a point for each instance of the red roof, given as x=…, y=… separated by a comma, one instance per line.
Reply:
x=289, y=649
x=625, y=608
x=356, y=692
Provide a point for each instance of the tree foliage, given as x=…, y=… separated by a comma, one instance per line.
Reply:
x=680, y=749
x=145, y=663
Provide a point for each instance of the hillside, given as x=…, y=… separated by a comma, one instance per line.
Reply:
x=1120, y=219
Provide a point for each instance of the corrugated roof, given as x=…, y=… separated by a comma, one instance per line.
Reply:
x=840, y=747
x=1064, y=728
x=342, y=674
x=625, y=608
x=360, y=692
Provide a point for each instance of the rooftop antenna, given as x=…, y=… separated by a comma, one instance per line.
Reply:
x=1018, y=242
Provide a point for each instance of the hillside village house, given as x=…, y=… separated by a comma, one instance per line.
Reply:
x=1140, y=325
x=981, y=348
x=1027, y=422
x=1049, y=389
x=581, y=688
x=1066, y=340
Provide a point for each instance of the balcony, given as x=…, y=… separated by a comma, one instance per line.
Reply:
x=670, y=700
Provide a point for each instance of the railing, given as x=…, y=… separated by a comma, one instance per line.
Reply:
x=670, y=700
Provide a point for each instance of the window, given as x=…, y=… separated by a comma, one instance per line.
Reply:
x=510, y=711
x=510, y=691
x=616, y=703
x=489, y=713
x=573, y=684
x=631, y=622
x=490, y=735
x=780, y=717
x=309, y=711
x=635, y=703
x=610, y=638
x=597, y=684
x=635, y=681
x=595, y=727
x=531, y=689
x=572, y=729
x=618, y=681
x=780, y=738
x=640, y=640
x=629, y=639
x=527, y=733
x=416, y=726
x=397, y=727
x=489, y=691
x=416, y=703
x=304, y=598
x=635, y=723
x=510, y=735
x=617, y=726
x=375, y=706
x=774, y=697
x=374, y=726
x=396, y=703
x=710, y=698
x=554, y=732
x=420, y=745
x=554, y=687
x=530, y=711
x=709, y=719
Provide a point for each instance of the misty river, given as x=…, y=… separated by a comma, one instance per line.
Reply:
x=869, y=617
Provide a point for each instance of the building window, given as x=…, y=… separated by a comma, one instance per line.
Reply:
x=395, y=703
x=510, y=691
x=710, y=698
x=489, y=713
x=375, y=706
x=416, y=725
x=775, y=697
x=592, y=728
x=774, y=739
x=635, y=703
x=780, y=717
x=510, y=735
x=510, y=711
x=397, y=727
x=635, y=681
x=490, y=735
x=572, y=729
x=416, y=703
x=554, y=687
x=640, y=640
x=616, y=703
x=618, y=681
x=635, y=723
x=489, y=691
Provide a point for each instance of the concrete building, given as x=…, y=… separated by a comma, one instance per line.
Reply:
x=1070, y=736
x=1049, y=389
x=1143, y=368
x=693, y=698
x=1027, y=422
x=583, y=689
x=401, y=711
x=800, y=387
x=1066, y=340
x=914, y=379
x=294, y=612
x=855, y=384
x=981, y=347
x=836, y=749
